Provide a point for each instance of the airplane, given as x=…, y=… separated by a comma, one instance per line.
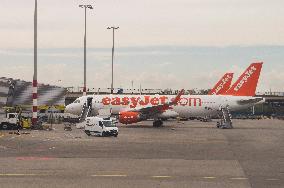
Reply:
x=135, y=108
x=220, y=87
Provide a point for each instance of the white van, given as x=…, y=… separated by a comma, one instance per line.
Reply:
x=10, y=121
x=100, y=126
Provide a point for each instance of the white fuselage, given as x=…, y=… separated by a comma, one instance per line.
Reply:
x=188, y=105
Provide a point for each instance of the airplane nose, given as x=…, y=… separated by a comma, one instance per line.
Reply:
x=68, y=109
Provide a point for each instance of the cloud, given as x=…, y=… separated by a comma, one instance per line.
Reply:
x=190, y=22
x=168, y=67
x=273, y=80
x=15, y=53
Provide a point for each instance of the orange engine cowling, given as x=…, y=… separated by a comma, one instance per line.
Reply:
x=129, y=117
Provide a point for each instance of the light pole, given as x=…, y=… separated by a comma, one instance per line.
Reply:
x=34, y=117
x=113, y=28
x=85, y=78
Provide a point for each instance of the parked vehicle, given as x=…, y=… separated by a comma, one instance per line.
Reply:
x=10, y=122
x=100, y=126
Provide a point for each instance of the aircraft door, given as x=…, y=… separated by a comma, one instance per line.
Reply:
x=224, y=102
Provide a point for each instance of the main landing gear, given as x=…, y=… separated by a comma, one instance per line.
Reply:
x=157, y=123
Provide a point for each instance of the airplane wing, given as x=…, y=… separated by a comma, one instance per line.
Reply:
x=128, y=116
x=153, y=110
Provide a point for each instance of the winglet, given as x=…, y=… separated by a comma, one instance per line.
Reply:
x=175, y=101
x=222, y=85
x=247, y=82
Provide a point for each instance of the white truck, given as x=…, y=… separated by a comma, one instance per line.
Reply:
x=10, y=121
x=100, y=126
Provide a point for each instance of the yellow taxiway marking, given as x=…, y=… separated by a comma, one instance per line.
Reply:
x=22, y=174
x=161, y=176
x=210, y=177
x=239, y=178
x=109, y=175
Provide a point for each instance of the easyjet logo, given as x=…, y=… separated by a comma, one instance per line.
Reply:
x=190, y=101
x=149, y=100
x=245, y=78
x=222, y=84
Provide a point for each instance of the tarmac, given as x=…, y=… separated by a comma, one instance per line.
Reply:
x=179, y=154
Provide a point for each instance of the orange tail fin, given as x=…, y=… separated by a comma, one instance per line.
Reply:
x=247, y=82
x=222, y=85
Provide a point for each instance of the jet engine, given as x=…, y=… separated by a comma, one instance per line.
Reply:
x=129, y=117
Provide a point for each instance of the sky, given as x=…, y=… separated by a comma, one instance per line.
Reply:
x=159, y=43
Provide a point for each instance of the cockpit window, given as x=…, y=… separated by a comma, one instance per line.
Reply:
x=77, y=101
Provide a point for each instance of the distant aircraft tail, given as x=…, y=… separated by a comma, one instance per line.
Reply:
x=247, y=82
x=222, y=85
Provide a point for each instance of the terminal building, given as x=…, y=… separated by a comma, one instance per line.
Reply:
x=19, y=93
